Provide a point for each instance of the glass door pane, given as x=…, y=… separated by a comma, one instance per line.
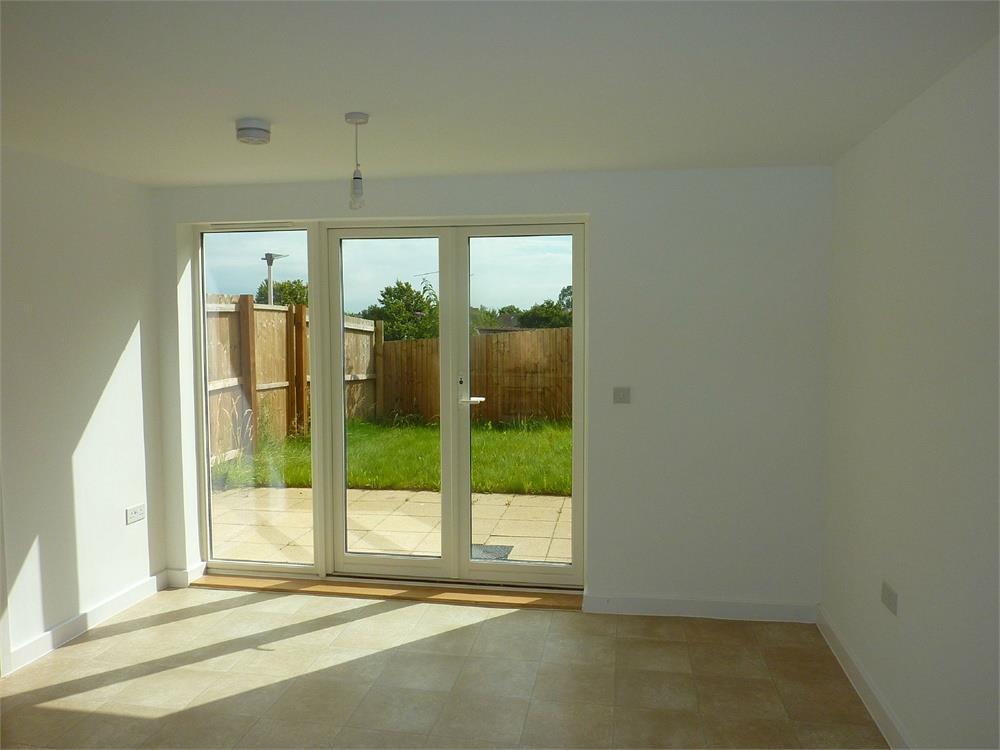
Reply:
x=521, y=365
x=392, y=409
x=256, y=289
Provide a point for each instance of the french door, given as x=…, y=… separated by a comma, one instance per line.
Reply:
x=455, y=424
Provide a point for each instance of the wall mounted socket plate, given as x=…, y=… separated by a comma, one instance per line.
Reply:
x=135, y=513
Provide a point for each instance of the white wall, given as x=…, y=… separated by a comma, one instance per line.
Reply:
x=80, y=401
x=913, y=410
x=707, y=294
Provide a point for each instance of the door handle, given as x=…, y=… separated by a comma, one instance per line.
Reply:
x=472, y=400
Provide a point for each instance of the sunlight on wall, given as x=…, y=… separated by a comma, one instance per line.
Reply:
x=109, y=474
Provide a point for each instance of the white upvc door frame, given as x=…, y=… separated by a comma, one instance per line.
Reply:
x=318, y=402
x=327, y=400
x=456, y=508
x=510, y=571
x=341, y=560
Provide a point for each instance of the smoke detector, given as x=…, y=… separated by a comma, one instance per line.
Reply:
x=253, y=130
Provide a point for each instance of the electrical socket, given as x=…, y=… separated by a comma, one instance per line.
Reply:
x=621, y=394
x=135, y=513
x=889, y=597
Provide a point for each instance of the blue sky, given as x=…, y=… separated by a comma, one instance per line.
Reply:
x=505, y=270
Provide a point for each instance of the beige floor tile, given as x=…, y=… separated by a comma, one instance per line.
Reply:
x=727, y=660
x=537, y=501
x=830, y=700
x=38, y=727
x=450, y=616
x=425, y=496
x=272, y=732
x=524, y=528
x=404, y=522
x=271, y=534
x=297, y=554
x=572, y=683
x=642, y=626
x=552, y=725
x=313, y=699
x=749, y=733
x=529, y=621
x=508, y=644
x=496, y=676
x=241, y=694
x=801, y=663
x=355, y=665
x=739, y=698
x=394, y=709
x=100, y=731
x=840, y=736
x=420, y=671
x=419, y=509
x=591, y=650
x=661, y=690
x=390, y=541
x=357, y=739
x=483, y=525
x=484, y=512
x=649, y=654
x=226, y=532
x=524, y=548
x=247, y=551
x=582, y=623
x=377, y=507
x=198, y=728
x=563, y=530
x=561, y=549
x=430, y=545
x=499, y=718
x=364, y=521
x=278, y=662
x=787, y=634
x=530, y=513
x=172, y=688
x=644, y=727
x=481, y=498
x=705, y=630
x=437, y=639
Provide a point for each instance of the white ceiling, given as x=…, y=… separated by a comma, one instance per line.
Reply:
x=149, y=91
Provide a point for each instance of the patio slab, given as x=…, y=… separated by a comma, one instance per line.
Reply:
x=270, y=524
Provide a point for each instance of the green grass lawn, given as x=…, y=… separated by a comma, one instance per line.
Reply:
x=532, y=458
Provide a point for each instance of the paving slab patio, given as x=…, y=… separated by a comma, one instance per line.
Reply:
x=272, y=524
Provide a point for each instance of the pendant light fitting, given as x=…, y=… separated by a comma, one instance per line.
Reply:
x=357, y=182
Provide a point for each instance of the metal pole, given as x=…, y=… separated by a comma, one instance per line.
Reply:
x=270, y=281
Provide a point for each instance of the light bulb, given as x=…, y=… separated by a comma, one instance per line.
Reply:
x=357, y=190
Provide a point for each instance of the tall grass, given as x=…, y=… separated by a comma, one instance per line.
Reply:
x=526, y=457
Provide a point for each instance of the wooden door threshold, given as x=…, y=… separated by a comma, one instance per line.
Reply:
x=407, y=592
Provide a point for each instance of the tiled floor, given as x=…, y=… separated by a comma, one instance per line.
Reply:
x=202, y=668
x=275, y=525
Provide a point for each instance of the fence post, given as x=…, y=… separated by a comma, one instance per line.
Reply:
x=248, y=362
x=379, y=340
x=290, y=409
x=300, y=365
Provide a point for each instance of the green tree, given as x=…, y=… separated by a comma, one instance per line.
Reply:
x=483, y=317
x=294, y=292
x=407, y=312
x=566, y=297
x=547, y=314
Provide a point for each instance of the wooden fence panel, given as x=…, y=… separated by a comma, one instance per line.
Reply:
x=261, y=381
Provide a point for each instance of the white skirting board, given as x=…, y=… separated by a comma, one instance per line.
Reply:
x=886, y=720
x=721, y=610
x=181, y=579
x=66, y=631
